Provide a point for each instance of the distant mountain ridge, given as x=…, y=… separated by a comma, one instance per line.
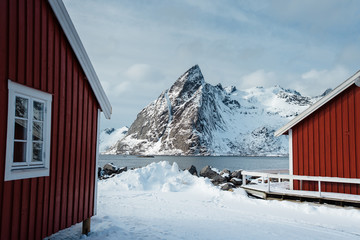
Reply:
x=193, y=117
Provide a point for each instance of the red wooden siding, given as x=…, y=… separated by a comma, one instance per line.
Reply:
x=35, y=52
x=327, y=143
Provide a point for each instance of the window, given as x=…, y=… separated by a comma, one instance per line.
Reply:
x=28, y=133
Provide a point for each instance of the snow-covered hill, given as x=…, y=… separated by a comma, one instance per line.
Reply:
x=193, y=117
x=109, y=136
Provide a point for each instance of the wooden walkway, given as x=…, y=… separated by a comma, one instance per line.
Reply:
x=281, y=189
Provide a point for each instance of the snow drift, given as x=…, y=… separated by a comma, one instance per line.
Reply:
x=160, y=201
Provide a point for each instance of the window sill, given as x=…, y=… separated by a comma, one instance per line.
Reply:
x=16, y=174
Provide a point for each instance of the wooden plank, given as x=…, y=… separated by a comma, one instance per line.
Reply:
x=44, y=47
x=30, y=44
x=16, y=230
x=44, y=225
x=24, y=218
x=6, y=210
x=327, y=146
x=301, y=149
x=305, y=151
x=333, y=141
x=61, y=135
x=352, y=157
x=13, y=39
x=295, y=156
x=357, y=134
x=83, y=154
x=345, y=116
x=36, y=44
x=93, y=159
x=339, y=143
x=39, y=208
x=68, y=117
x=78, y=145
x=32, y=207
x=3, y=111
x=55, y=128
x=72, y=172
x=311, y=152
x=322, y=144
x=316, y=145
x=89, y=148
x=22, y=43
x=51, y=52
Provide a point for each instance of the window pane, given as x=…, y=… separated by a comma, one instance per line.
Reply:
x=37, y=152
x=37, y=131
x=19, y=152
x=20, y=129
x=21, y=107
x=38, y=111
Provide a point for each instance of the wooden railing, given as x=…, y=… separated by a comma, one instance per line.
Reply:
x=301, y=178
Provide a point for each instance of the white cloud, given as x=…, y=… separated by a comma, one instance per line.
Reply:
x=257, y=79
x=139, y=48
x=315, y=81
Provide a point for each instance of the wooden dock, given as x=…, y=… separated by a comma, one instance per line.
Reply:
x=302, y=196
x=266, y=188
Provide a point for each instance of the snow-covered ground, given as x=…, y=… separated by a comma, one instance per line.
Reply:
x=161, y=202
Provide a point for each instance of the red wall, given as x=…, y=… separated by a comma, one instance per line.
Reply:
x=35, y=52
x=327, y=143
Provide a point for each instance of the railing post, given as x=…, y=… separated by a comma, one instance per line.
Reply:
x=319, y=184
x=279, y=179
x=301, y=184
x=268, y=183
x=244, y=179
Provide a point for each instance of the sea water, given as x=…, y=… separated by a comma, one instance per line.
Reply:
x=220, y=162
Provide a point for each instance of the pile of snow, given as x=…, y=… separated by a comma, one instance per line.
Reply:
x=160, y=201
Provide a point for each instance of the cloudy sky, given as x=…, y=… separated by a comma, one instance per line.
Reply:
x=140, y=47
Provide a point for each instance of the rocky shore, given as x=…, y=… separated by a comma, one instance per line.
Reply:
x=226, y=179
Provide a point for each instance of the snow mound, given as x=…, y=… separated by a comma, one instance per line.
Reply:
x=159, y=176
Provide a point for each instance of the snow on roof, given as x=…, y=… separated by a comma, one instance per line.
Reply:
x=354, y=79
x=65, y=21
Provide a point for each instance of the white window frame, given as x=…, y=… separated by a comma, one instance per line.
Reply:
x=14, y=171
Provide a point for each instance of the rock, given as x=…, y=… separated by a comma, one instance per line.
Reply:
x=227, y=186
x=208, y=172
x=216, y=180
x=225, y=173
x=101, y=172
x=236, y=174
x=192, y=170
x=236, y=181
x=120, y=170
x=109, y=168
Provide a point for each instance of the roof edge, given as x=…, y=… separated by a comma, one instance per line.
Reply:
x=339, y=89
x=68, y=27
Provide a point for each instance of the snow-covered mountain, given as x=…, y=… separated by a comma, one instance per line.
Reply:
x=193, y=117
x=109, y=136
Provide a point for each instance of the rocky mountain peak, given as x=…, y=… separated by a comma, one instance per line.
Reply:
x=188, y=83
x=193, y=117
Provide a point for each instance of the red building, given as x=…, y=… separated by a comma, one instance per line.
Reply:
x=51, y=101
x=324, y=140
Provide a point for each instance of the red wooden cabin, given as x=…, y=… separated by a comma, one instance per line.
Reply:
x=51, y=100
x=324, y=140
